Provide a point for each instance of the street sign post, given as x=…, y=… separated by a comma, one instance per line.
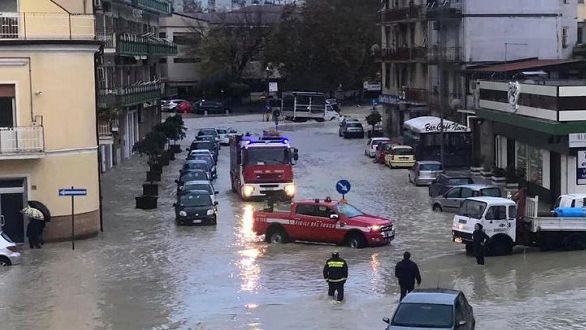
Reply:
x=73, y=192
x=343, y=187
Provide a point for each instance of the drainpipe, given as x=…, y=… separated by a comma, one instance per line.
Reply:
x=96, y=58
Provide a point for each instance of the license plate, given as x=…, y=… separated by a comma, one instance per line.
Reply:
x=458, y=240
x=403, y=158
x=195, y=221
x=386, y=234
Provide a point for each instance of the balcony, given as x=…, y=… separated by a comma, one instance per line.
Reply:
x=436, y=54
x=21, y=142
x=161, y=7
x=126, y=44
x=404, y=54
x=443, y=10
x=394, y=15
x=413, y=95
x=46, y=26
x=128, y=96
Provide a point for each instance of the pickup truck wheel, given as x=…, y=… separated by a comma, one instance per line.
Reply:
x=437, y=208
x=277, y=236
x=574, y=242
x=356, y=241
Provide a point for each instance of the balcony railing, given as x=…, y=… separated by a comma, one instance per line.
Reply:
x=402, y=14
x=21, y=140
x=127, y=96
x=46, y=26
x=133, y=45
x=104, y=129
x=437, y=54
x=415, y=95
x=404, y=54
x=443, y=9
x=162, y=7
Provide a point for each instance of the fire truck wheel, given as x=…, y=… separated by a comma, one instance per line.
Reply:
x=356, y=241
x=276, y=235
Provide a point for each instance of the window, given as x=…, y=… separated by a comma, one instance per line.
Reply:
x=184, y=38
x=185, y=60
x=496, y=213
x=512, y=211
x=529, y=160
x=163, y=60
x=565, y=37
x=492, y=192
x=454, y=193
x=466, y=192
x=305, y=209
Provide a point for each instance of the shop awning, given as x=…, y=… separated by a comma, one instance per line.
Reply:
x=521, y=65
x=536, y=124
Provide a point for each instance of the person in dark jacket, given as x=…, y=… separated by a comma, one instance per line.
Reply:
x=479, y=238
x=32, y=232
x=407, y=272
x=336, y=273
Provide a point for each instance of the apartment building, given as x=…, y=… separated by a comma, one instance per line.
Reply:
x=129, y=76
x=427, y=45
x=48, y=115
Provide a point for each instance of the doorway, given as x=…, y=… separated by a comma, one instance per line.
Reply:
x=12, y=200
x=555, y=175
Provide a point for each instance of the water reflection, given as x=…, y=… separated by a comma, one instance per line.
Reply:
x=247, y=263
x=375, y=275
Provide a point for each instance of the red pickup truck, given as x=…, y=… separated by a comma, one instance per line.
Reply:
x=324, y=221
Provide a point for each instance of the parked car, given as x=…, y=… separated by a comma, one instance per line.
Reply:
x=195, y=207
x=201, y=185
x=400, y=156
x=425, y=172
x=346, y=119
x=9, y=255
x=192, y=175
x=223, y=136
x=209, y=131
x=352, y=129
x=210, y=138
x=211, y=107
x=184, y=107
x=197, y=165
x=452, y=199
x=433, y=308
x=382, y=150
x=194, y=154
x=371, y=144
x=444, y=182
x=170, y=105
x=205, y=145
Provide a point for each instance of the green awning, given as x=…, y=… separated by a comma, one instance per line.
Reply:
x=536, y=124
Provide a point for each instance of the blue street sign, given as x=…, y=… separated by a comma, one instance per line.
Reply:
x=343, y=187
x=72, y=192
x=374, y=102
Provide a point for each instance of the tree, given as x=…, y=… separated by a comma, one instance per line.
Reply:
x=152, y=145
x=373, y=118
x=173, y=128
x=326, y=44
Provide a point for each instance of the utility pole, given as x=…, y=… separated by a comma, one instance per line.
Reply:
x=442, y=41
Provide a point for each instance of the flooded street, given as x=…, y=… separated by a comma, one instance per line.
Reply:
x=146, y=272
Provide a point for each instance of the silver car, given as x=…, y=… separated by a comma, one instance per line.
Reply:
x=433, y=308
x=9, y=255
x=451, y=200
x=425, y=172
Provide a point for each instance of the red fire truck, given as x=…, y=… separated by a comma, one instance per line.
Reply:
x=263, y=166
x=326, y=221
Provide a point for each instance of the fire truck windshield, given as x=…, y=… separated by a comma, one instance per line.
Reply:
x=267, y=156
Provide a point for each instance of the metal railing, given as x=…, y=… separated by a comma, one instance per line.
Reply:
x=130, y=44
x=131, y=95
x=443, y=9
x=443, y=54
x=417, y=95
x=157, y=6
x=46, y=26
x=404, y=54
x=15, y=140
x=104, y=129
x=108, y=39
x=404, y=13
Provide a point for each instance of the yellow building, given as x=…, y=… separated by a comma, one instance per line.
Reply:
x=48, y=114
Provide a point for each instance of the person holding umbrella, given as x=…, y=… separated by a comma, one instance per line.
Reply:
x=34, y=227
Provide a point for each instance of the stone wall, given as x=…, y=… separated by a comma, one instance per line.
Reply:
x=59, y=228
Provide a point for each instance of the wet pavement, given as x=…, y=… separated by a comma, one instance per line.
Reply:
x=146, y=272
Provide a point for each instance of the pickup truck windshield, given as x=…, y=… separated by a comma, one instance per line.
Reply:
x=473, y=209
x=348, y=210
x=267, y=156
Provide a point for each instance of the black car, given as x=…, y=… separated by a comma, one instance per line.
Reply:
x=205, y=145
x=192, y=175
x=211, y=107
x=209, y=138
x=195, y=207
x=208, y=159
x=196, y=165
x=445, y=182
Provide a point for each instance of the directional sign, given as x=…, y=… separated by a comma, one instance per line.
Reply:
x=343, y=187
x=72, y=192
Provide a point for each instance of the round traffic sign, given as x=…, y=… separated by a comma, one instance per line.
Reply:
x=343, y=187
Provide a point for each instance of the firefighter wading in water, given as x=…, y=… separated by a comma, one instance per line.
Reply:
x=335, y=273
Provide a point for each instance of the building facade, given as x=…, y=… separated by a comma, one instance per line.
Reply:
x=427, y=45
x=129, y=82
x=48, y=115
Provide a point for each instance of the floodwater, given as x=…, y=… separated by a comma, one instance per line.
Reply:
x=145, y=272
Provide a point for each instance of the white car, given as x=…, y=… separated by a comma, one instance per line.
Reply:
x=223, y=134
x=170, y=105
x=371, y=145
x=9, y=255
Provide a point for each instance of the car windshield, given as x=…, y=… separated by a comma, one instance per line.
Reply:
x=377, y=142
x=430, y=167
x=267, y=156
x=198, y=186
x=206, y=138
x=222, y=131
x=348, y=210
x=354, y=125
x=492, y=192
x=423, y=316
x=203, y=145
x=196, y=200
x=194, y=176
x=207, y=132
x=206, y=158
x=196, y=166
x=459, y=181
x=403, y=151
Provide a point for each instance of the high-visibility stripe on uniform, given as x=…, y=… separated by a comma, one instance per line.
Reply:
x=336, y=264
x=338, y=280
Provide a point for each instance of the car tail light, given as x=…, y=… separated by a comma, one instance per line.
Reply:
x=12, y=248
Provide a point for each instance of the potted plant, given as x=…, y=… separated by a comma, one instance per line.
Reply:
x=499, y=176
x=174, y=129
x=151, y=146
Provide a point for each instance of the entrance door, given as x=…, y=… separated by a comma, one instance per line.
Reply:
x=511, y=152
x=6, y=112
x=555, y=175
x=10, y=206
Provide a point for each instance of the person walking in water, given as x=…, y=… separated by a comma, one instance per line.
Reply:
x=32, y=232
x=336, y=273
x=407, y=272
x=479, y=238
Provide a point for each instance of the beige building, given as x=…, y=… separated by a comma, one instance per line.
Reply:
x=48, y=114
